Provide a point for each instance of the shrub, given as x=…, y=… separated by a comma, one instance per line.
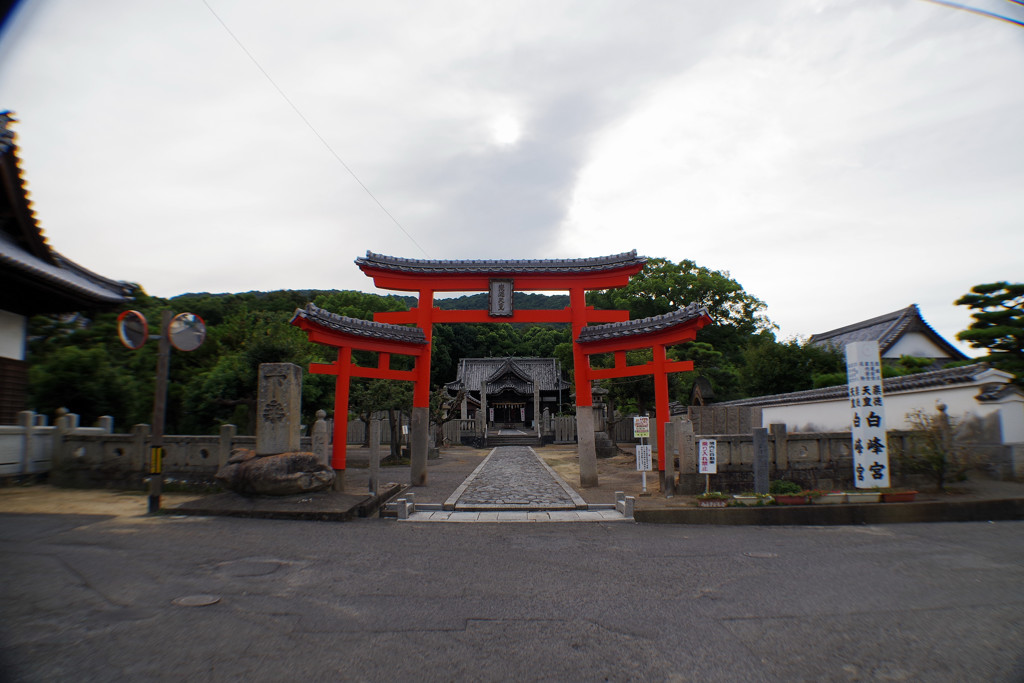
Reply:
x=785, y=488
x=934, y=450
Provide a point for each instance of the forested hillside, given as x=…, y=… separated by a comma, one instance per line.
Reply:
x=77, y=361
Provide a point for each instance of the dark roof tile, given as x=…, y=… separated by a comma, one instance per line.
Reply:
x=892, y=385
x=500, y=266
x=632, y=328
x=358, y=327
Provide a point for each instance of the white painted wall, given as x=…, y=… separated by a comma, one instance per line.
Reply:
x=915, y=344
x=836, y=415
x=12, y=335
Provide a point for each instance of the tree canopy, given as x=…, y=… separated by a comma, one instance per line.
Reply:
x=998, y=327
x=77, y=361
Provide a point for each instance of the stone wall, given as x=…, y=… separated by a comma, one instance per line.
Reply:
x=95, y=456
x=815, y=460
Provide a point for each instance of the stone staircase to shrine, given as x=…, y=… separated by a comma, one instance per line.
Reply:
x=513, y=440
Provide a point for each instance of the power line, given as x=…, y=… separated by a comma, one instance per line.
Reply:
x=984, y=13
x=312, y=128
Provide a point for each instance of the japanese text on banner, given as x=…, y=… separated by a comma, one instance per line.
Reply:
x=707, y=456
x=867, y=405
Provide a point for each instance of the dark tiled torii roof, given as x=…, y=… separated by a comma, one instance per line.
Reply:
x=632, y=328
x=501, y=266
x=892, y=385
x=33, y=277
x=359, y=327
x=886, y=330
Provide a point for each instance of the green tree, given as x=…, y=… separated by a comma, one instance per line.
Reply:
x=663, y=286
x=773, y=367
x=998, y=312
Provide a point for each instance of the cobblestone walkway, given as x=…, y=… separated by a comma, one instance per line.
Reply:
x=514, y=478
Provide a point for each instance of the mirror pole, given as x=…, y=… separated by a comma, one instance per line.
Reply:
x=156, y=451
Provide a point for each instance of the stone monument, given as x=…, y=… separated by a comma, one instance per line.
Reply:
x=276, y=467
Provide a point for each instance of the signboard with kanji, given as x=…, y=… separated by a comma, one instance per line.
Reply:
x=707, y=457
x=500, y=297
x=643, y=457
x=642, y=427
x=867, y=405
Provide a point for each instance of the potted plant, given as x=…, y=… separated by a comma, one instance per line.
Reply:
x=830, y=498
x=712, y=499
x=898, y=496
x=863, y=496
x=788, y=492
x=750, y=498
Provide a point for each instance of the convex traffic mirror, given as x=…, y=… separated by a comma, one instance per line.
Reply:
x=186, y=332
x=132, y=329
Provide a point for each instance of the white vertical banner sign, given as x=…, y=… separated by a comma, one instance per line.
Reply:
x=643, y=457
x=864, y=382
x=707, y=456
x=642, y=430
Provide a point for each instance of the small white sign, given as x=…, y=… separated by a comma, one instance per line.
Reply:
x=707, y=456
x=642, y=427
x=643, y=457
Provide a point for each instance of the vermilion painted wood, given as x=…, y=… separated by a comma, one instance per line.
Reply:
x=344, y=369
x=480, y=282
x=659, y=368
x=535, y=316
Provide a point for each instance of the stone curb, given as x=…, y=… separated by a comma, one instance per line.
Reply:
x=452, y=499
x=833, y=515
x=267, y=507
x=569, y=491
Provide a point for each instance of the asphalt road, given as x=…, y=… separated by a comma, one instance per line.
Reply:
x=92, y=599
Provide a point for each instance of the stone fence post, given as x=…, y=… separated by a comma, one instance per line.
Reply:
x=781, y=446
x=228, y=433
x=26, y=420
x=140, y=449
x=320, y=445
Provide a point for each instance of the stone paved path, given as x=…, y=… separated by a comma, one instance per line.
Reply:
x=514, y=478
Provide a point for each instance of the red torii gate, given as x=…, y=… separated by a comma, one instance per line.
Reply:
x=347, y=334
x=501, y=278
x=655, y=333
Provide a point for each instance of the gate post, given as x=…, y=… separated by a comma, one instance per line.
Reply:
x=586, y=445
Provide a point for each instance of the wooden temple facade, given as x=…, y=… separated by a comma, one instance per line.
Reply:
x=509, y=392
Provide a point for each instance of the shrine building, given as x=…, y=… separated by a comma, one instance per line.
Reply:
x=512, y=392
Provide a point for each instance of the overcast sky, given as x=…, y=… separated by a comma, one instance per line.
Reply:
x=841, y=159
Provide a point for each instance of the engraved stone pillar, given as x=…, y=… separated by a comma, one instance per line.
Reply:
x=536, y=408
x=277, y=408
x=762, y=460
x=483, y=404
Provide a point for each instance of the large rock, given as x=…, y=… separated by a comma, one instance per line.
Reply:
x=283, y=474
